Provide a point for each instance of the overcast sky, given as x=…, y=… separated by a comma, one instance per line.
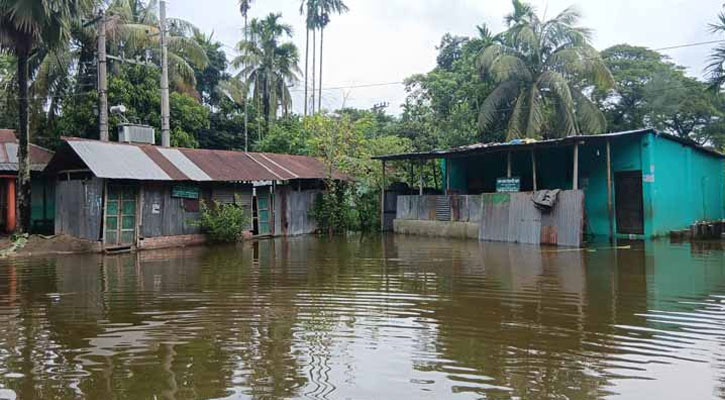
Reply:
x=384, y=41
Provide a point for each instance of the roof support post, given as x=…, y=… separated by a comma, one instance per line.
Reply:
x=610, y=208
x=420, y=180
x=533, y=168
x=508, y=164
x=448, y=176
x=382, y=201
x=11, y=206
x=575, y=175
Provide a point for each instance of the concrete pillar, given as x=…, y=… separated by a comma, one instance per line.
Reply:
x=10, y=220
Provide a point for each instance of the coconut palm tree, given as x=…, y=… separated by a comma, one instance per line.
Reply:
x=133, y=32
x=267, y=65
x=541, y=69
x=244, y=6
x=716, y=68
x=311, y=10
x=25, y=26
x=326, y=8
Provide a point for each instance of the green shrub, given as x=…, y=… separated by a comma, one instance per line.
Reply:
x=223, y=222
x=333, y=209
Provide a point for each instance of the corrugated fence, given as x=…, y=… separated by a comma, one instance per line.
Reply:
x=504, y=217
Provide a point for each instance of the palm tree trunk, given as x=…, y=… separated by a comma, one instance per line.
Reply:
x=266, y=103
x=319, y=98
x=246, y=105
x=314, y=64
x=23, y=146
x=307, y=56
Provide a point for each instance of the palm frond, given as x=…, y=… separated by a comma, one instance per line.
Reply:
x=590, y=117
x=502, y=96
x=190, y=50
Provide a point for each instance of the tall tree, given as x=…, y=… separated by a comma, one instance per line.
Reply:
x=541, y=69
x=26, y=25
x=306, y=9
x=268, y=65
x=326, y=8
x=244, y=6
x=134, y=32
x=716, y=68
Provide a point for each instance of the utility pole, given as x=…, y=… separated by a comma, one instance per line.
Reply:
x=165, y=134
x=102, y=78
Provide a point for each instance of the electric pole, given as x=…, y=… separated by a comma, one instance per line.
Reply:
x=102, y=78
x=165, y=134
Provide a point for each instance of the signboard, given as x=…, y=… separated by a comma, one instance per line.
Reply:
x=506, y=185
x=185, y=191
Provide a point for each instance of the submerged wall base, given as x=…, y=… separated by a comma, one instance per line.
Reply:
x=451, y=229
x=162, y=242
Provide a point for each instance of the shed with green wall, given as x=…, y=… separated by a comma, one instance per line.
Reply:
x=681, y=182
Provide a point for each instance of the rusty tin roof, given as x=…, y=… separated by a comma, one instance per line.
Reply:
x=39, y=156
x=147, y=162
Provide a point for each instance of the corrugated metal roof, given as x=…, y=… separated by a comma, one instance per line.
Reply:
x=145, y=162
x=188, y=168
x=515, y=145
x=39, y=156
x=117, y=161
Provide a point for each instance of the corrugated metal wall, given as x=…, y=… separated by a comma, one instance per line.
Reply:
x=505, y=217
x=79, y=208
x=293, y=211
x=163, y=215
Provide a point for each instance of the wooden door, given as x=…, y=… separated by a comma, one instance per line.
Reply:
x=628, y=202
x=120, y=229
x=264, y=209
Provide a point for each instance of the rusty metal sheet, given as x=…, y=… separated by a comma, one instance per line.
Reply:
x=147, y=162
x=183, y=164
x=39, y=156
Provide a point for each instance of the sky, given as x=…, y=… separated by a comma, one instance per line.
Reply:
x=379, y=43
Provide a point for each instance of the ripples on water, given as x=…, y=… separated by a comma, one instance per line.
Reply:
x=393, y=317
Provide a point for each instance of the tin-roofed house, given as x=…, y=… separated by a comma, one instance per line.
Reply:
x=42, y=196
x=635, y=184
x=140, y=195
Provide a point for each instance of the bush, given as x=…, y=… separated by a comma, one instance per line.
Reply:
x=333, y=209
x=223, y=222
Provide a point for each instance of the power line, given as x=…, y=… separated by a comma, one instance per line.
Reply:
x=680, y=46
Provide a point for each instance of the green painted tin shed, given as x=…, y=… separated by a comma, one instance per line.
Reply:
x=636, y=184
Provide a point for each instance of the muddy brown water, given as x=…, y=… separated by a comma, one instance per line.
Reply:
x=367, y=318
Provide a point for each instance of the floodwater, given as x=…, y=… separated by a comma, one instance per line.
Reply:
x=367, y=318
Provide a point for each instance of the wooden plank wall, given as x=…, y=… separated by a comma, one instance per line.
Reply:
x=79, y=208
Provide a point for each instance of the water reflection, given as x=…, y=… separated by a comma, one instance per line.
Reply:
x=367, y=318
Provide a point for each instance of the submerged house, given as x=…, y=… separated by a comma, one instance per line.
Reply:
x=134, y=195
x=42, y=196
x=634, y=184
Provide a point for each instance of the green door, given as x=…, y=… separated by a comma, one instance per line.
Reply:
x=263, y=211
x=120, y=216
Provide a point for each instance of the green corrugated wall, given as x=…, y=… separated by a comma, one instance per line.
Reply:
x=684, y=184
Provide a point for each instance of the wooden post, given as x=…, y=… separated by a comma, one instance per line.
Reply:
x=533, y=168
x=10, y=201
x=435, y=173
x=610, y=208
x=508, y=164
x=420, y=181
x=382, y=202
x=448, y=176
x=575, y=180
